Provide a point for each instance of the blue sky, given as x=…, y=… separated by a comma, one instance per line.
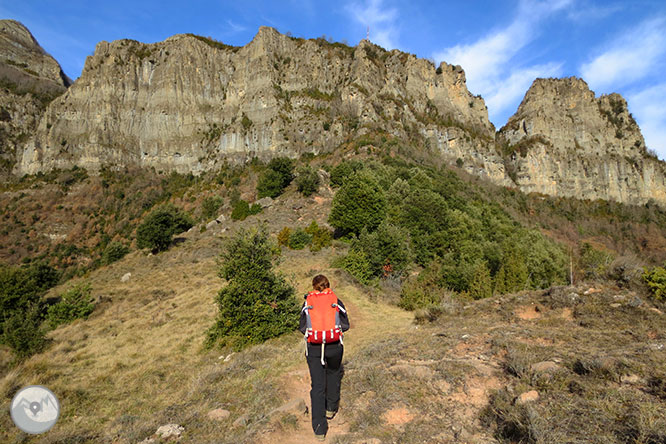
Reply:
x=503, y=45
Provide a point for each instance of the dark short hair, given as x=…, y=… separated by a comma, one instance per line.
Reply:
x=320, y=282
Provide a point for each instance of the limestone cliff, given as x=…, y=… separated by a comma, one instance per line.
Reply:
x=189, y=103
x=564, y=141
x=29, y=79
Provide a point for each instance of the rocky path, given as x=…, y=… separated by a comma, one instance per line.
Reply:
x=369, y=320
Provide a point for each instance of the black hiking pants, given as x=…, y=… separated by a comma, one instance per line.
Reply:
x=325, y=391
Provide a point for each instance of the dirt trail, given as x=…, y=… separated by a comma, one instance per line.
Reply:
x=369, y=320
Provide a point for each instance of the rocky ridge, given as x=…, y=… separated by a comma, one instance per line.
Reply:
x=565, y=141
x=29, y=79
x=190, y=103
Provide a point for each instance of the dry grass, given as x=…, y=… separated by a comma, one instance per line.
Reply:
x=138, y=362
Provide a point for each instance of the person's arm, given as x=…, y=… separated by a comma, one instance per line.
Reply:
x=344, y=318
x=302, y=325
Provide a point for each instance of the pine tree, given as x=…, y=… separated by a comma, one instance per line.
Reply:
x=256, y=304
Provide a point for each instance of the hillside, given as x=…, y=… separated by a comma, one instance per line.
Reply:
x=503, y=287
x=594, y=353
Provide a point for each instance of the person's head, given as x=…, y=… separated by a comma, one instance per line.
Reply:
x=320, y=283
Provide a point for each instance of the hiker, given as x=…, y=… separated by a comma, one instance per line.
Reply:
x=323, y=319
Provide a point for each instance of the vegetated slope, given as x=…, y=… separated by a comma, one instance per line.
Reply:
x=69, y=219
x=596, y=360
x=29, y=80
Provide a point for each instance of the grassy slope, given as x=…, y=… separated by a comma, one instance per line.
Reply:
x=137, y=362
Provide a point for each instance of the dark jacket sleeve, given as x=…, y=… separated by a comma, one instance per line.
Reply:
x=302, y=325
x=344, y=318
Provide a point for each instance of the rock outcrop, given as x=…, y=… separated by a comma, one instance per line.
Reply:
x=190, y=103
x=563, y=141
x=29, y=80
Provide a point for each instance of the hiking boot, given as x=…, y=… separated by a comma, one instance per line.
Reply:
x=330, y=414
x=320, y=437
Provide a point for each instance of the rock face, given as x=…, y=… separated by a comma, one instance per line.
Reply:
x=564, y=141
x=189, y=103
x=29, y=79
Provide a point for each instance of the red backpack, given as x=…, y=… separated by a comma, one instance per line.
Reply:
x=322, y=314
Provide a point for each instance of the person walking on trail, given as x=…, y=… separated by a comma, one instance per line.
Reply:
x=323, y=319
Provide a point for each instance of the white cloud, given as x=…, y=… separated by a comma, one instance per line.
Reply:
x=380, y=19
x=510, y=89
x=235, y=28
x=491, y=63
x=630, y=57
x=648, y=108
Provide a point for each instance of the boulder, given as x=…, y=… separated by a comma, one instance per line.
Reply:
x=218, y=414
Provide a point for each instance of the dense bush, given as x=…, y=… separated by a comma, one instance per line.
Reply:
x=387, y=250
x=478, y=247
x=307, y=180
x=24, y=332
x=157, y=229
x=321, y=237
x=113, y=252
x=270, y=184
x=209, y=207
x=283, y=237
x=243, y=209
x=343, y=171
x=256, y=304
x=21, y=308
x=358, y=204
x=75, y=303
x=594, y=263
x=276, y=178
x=655, y=279
x=357, y=264
x=299, y=239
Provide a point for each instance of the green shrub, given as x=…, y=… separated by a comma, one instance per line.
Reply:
x=283, y=236
x=655, y=279
x=343, y=171
x=594, y=263
x=358, y=204
x=387, y=249
x=21, y=289
x=113, y=252
x=157, y=229
x=276, y=178
x=209, y=207
x=299, y=239
x=481, y=285
x=307, y=181
x=321, y=237
x=513, y=274
x=422, y=291
x=357, y=264
x=75, y=303
x=270, y=184
x=256, y=304
x=23, y=331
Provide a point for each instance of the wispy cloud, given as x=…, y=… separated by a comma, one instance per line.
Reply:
x=648, y=107
x=234, y=28
x=628, y=58
x=492, y=63
x=585, y=13
x=380, y=19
